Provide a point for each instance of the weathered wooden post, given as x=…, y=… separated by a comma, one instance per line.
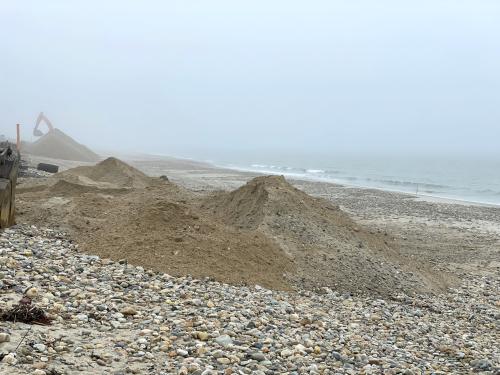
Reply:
x=18, y=139
x=9, y=165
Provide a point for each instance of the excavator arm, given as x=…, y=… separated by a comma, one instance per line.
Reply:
x=42, y=118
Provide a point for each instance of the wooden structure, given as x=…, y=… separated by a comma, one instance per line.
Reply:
x=9, y=165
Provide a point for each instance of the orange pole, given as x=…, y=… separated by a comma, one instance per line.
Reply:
x=18, y=143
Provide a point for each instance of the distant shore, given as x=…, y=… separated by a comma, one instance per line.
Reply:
x=231, y=177
x=426, y=197
x=197, y=164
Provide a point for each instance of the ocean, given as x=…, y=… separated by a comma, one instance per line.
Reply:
x=474, y=179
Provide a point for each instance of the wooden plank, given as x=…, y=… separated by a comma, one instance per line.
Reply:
x=9, y=167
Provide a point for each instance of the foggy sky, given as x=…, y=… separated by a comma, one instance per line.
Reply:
x=194, y=78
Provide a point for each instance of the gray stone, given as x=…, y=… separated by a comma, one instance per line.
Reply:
x=224, y=340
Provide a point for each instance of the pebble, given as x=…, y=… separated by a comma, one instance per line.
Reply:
x=203, y=336
x=181, y=325
x=481, y=364
x=4, y=337
x=40, y=347
x=82, y=317
x=10, y=359
x=32, y=293
x=224, y=340
x=129, y=311
x=258, y=357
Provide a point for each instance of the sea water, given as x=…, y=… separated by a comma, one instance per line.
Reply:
x=468, y=178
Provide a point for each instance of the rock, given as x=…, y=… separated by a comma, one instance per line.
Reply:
x=4, y=337
x=38, y=372
x=224, y=340
x=255, y=330
x=40, y=347
x=39, y=365
x=223, y=360
x=32, y=292
x=481, y=364
x=337, y=356
x=10, y=359
x=258, y=356
x=203, y=336
x=82, y=317
x=129, y=311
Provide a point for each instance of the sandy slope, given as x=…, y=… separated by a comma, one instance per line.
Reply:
x=266, y=232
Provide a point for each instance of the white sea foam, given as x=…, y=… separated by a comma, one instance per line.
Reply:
x=468, y=181
x=315, y=171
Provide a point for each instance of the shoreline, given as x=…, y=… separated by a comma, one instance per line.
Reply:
x=424, y=197
x=143, y=161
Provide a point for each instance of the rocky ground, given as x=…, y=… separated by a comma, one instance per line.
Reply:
x=110, y=317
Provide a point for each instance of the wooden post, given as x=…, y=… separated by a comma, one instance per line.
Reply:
x=18, y=140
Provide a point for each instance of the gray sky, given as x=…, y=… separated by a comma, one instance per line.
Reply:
x=195, y=77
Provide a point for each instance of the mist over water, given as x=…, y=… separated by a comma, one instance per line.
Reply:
x=225, y=80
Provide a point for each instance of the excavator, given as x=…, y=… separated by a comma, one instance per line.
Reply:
x=42, y=119
x=10, y=159
x=51, y=168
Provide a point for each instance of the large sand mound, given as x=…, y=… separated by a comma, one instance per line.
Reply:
x=266, y=232
x=58, y=145
x=158, y=228
x=329, y=249
x=111, y=173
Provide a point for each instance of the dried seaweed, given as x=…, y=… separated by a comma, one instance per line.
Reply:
x=26, y=312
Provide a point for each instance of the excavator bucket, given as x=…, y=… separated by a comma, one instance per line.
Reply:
x=9, y=165
x=39, y=121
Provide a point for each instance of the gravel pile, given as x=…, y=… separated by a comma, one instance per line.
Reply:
x=58, y=145
x=114, y=318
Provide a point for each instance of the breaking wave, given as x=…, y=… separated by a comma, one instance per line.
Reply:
x=429, y=184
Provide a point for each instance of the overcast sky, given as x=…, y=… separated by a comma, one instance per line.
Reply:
x=200, y=77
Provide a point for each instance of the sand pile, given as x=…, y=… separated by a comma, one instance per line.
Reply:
x=164, y=232
x=63, y=188
x=111, y=173
x=58, y=145
x=266, y=232
x=328, y=248
x=158, y=227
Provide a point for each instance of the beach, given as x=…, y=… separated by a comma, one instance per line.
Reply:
x=250, y=188
x=457, y=234
x=218, y=271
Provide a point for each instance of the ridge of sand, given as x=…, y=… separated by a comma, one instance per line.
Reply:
x=58, y=145
x=152, y=223
x=110, y=173
x=266, y=232
x=157, y=228
x=327, y=246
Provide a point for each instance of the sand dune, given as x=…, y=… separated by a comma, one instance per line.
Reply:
x=327, y=246
x=266, y=232
x=59, y=145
